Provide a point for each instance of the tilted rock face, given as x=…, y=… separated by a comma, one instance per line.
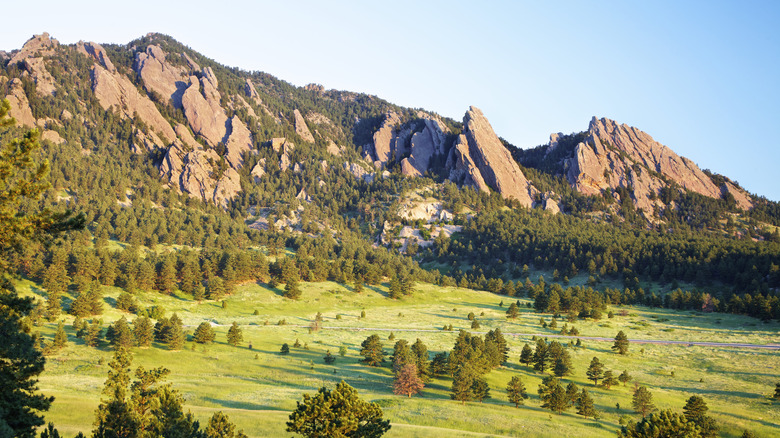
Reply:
x=239, y=141
x=160, y=76
x=251, y=92
x=480, y=155
x=600, y=164
x=424, y=145
x=115, y=90
x=20, y=106
x=202, y=109
x=193, y=173
x=301, y=128
x=96, y=52
x=31, y=55
x=384, y=145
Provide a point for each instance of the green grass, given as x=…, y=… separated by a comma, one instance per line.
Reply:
x=258, y=393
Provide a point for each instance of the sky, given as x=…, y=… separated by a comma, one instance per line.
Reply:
x=702, y=77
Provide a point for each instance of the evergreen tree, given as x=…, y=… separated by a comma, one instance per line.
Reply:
x=642, y=401
x=663, y=424
x=461, y=384
x=595, y=371
x=553, y=395
x=609, y=380
x=527, y=355
x=621, y=343
x=166, y=275
x=541, y=354
x=174, y=338
x=60, y=338
x=407, y=381
x=624, y=377
x=143, y=331
x=515, y=391
x=776, y=396
x=235, y=335
x=572, y=392
x=440, y=364
x=395, y=290
x=95, y=298
x=204, y=334
x=512, y=312
x=420, y=356
x=285, y=349
x=371, y=350
x=329, y=358
x=114, y=416
x=584, y=404
x=119, y=334
x=480, y=389
x=93, y=333
x=291, y=289
x=695, y=411
x=215, y=288
x=219, y=426
x=496, y=338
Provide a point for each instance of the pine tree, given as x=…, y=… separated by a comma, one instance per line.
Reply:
x=541, y=354
x=215, y=288
x=609, y=380
x=513, y=312
x=93, y=332
x=595, y=371
x=642, y=401
x=663, y=424
x=480, y=389
x=527, y=355
x=624, y=377
x=291, y=289
x=166, y=276
x=174, y=338
x=114, y=416
x=235, y=335
x=572, y=392
x=60, y=338
x=407, y=381
x=584, y=404
x=461, y=384
x=204, y=334
x=420, y=357
x=95, y=298
x=285, y=349
x=553, y=395
x=119, y=334
x=395, y=290
x=695, y=410
x=621, y=343
x=515, y=391
x=371, y=350
x=143, y=331
x=219, y=426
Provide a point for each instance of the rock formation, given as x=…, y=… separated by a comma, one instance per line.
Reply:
x=424, y=145
x=32, y=57
x=301, y=128
x=383, y=147
x=480, y=159
x=20, y=106
x=195, y=173
x=622, y=156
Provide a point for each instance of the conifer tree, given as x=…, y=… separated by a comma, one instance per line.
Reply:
x=143, y=331
x=166, y=275
x=624, y=377
x=60, y=338
x=235, y=336
x=407, y=381
x=462, y=384
x=515, y=391
x=480, y=389
x=695, y=410
x=395, y=290
x=663, y=424
x=174, y=338
x=371, y=350
x=512, y=312
x=608, y=380
x=642, y=401
x=621, y=343
x=292, y=289
x=527, y=355
x=204, y=334
x=119, y=334
x=420, y=356
x=584, y=404
x=553, y=395
x=595, y=371
x=541, y=354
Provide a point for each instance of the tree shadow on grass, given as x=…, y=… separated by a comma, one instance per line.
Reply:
x=232, y=404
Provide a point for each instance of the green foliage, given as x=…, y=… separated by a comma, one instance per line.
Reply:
x=204, y=334
x=515, y=391
x=585, y=405
x=695, y=411
x=663, y=424
x=285, y=349
x=337, y=413
x=235, y=335
x=642, y=401
x=60, y=338
x=372, y=352
x=621, y=343
x=595, y=371
x=553, y=395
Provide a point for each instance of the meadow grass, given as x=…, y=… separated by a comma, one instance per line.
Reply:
x=258, y=387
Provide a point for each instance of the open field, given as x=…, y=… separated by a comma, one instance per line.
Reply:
x=258, y=387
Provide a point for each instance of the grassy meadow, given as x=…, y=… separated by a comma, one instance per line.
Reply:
x=257, y=387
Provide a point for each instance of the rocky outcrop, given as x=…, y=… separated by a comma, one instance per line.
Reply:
x=20, y=106
x=239, y=142
x=97, y=53
x=114, y=90
x=32, y=56
x=195, y=173
x=201, y=104
x=251, y=92
x=301, y=128
x=424, y=145
x=479, y=158
x=258, y=171
x=622, y=156
x=159, y=76
x=383, y=147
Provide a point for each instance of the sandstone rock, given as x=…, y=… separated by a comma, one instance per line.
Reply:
x=66, y=115
x=251, y=92
x=743, y=200
x=358, y=171
x=38, y=45
x=20, y=106
x=258, y=171
x=203, y=111
x=31, y=56
x=115, y=90
x=303, y=196
x=622, y=156
x=333, y=149
x=97, y=53
x=301, y=128
x=52, y=136
x=186, y=136
x=424, y=145
x=277, y=144
x=197, y=177
x=239, y=141
x=384, y=141
x=160, y=76
x=44, y=81
x=463, y=169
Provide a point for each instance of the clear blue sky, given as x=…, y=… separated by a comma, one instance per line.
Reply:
x=701, y=77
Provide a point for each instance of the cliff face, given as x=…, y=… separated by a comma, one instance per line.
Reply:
x=622, y=156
